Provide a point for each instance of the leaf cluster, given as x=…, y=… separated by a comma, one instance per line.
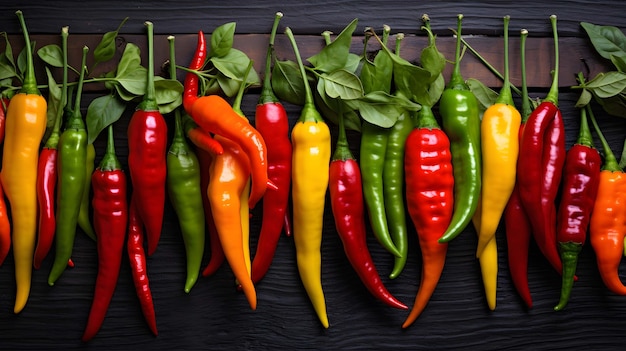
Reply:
x=607, y=88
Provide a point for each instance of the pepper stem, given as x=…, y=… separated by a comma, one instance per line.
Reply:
x=505, y=96
x=267, y=93
x=426, y=118
x=178, y=130
x=553, y=94
x=109, y=160
x=242, y=88
x=149, y=100
x=79, y=88
x=526, y=108
x=342, y=151
x=456, y=79
x=30, y=82
x=610, y=162
x=53, y=139
x=584, y=133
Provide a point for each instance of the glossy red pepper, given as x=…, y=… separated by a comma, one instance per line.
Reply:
x=110, y=219
x=147, y=149
x=272, y=123
x=46, y=186
x=430, y=201
x=138, y=265
x=346, y=199
x=581, y=177
x=4, y=105
x=5, y=228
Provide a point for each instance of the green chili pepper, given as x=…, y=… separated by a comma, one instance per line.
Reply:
x=185, y=193
x=461, y=122
x=84, y=219
x=71, y=182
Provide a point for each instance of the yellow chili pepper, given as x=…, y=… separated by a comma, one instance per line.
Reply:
x=310, y=138
x=25, y=126
x=499, y=148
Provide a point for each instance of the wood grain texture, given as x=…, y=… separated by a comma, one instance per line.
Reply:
x=215, y=316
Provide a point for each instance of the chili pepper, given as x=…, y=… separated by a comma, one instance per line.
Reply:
x=499, y=150
x=147, y=148
x=393, y=181
x=47, y=173
x=5, y=228
x=84, y=218
x=110, y=221
x=272, y=123
x=346, y=199
x=185, y=194
x=607, y=227
x=540, y=164
x=461, y=122
x=228, y=176
x=138, y=265
x=580, y=188
x=430, y=200
x=215, y=115
x=4, y=105
x=517, y=224
x=310, y=138
x=373, y=148
x=71, y=181
x=25, y=126
x=217, y=253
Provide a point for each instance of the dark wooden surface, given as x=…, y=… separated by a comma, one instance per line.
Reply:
x=215, y=316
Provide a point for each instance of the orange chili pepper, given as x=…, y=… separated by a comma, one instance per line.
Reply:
x=607, y=228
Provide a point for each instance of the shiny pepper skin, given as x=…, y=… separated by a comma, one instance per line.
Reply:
x=25, y=125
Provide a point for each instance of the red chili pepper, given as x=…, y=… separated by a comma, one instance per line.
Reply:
x=137, y=258
x=272, y=123
x=540, y=167
x=346, y=199
x=579, y=191
x=217, y=253
x=147, y=149
x=4, y=105
x=5, y=228
x=215, y=115
x=46, y=185
x=430, y=196
x=110, y=218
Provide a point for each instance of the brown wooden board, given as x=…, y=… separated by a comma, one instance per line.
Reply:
x=214, y=315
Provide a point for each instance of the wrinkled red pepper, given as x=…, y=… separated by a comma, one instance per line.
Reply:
x=110, y=218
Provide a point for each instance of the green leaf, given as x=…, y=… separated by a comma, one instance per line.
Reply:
x=435, y=89
x=334, y=56
x=8, y=50
x=105, y=50
x=222, y=39
x=287, y=82
x=614, y=105
x=342, y=84
x=234, y=64
x=328, y=108
x=52, y=55
x=229, y=86
x=102, y=111
x=485, y=96
x=6, y=70
x=377, y=75
x=134, y=81
x=54, y=100
x=619, y=62
x=382, y=109
x=353, y=63
x=584, y=99
x=130, y=60
x=21, y=63
x=431, y=59
x=607, y=84
x=167, y=90
x=124, y=94
x=607, y=40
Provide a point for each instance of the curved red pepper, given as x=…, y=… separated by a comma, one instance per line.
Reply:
x=137, y=258
x=190, y=92
x=46, y=185
x=110, y=218
x=430, y=201
x=5, y=228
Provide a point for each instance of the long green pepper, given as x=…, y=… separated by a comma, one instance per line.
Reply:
x=461, y=122
x=185, y=192
x=84, y=217
x=71, y=181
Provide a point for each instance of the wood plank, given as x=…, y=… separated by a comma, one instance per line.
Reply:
x=539, y=54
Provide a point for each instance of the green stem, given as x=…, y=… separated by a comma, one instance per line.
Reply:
x=242, y=88
x=386, y=31
x=308, y=94
x=110, y=161
x=53, y=139
x=526, y=108
x=553, y=94
x=505, y=96
x=399, y=38
x=267, y=93
x=326, y=35
x=584, y=133
x=178, y=130
x=610, y=162
x=30, y=81
x=367, y=35
x=149, y=100
x=342, y=151
x=81, y=80
x=456, y=79
x=426, y=118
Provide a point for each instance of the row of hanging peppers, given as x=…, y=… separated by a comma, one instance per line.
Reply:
x=481, y=169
